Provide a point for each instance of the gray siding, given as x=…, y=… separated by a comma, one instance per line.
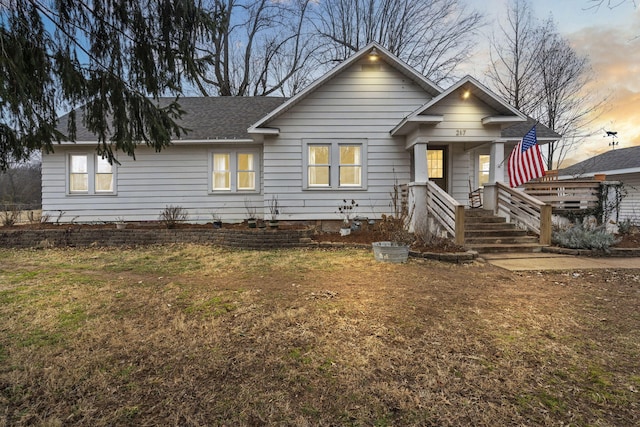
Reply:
x=175, y=176
x=462, y=116
x=630, y=205
x=356, y=104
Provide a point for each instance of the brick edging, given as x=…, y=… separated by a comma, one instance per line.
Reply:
x=86, y=237
x=78, y=236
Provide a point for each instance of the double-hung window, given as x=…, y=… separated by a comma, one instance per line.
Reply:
x=319, y=168
x=334, y=164
x=104, y=176
x=234, y=171
x=246, y=172
x=221, y=171
x=350, y=165
x=90, y=174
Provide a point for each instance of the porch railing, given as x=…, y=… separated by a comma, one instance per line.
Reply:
x=446, y=211
x=524, y=209
x=566, y=194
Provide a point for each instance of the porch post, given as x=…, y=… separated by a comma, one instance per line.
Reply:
x=417, y=207
x=496, y=174
x=497, y=166
x=420, y=163
x=418, y=189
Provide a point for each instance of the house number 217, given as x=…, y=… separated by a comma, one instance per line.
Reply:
x=461, y=132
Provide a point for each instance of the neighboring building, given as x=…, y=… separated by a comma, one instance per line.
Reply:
x=623, y=165
x=370, y=122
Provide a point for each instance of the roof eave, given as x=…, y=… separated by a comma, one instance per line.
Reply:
x=173, y=141
x=410, y=123
x=606, y=172
x=500, y=120
x=263, y=131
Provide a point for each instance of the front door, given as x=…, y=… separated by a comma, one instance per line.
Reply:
x=437, y=165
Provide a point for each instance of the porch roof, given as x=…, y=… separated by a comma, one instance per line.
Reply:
x=505, y=113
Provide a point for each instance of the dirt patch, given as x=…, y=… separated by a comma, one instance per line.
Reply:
x=195, y=335
x=630, y=240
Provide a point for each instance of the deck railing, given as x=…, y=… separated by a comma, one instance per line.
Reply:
x=445, y=210
x=521, y=208
x=566, y=195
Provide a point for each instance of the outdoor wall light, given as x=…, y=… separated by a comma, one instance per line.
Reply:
x=465, y=94
x=373, y=55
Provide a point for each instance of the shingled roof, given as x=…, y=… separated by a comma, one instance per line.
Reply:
x=223, y=117
x=519, y=130
x=229, y=117
x=622, y=160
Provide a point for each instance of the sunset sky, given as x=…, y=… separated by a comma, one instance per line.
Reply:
x=610, y=36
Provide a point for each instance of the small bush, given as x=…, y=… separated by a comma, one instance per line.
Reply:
x=173, y=215
x=578, y=237
x=625, y=227
x=10, y=215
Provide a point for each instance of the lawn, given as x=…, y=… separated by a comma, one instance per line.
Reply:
x=195, y=335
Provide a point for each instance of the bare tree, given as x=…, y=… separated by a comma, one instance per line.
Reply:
x=514, y=69
x=259, y=48
x=20, y=185
x=595, y=4
x=536, y=69
x=566, y=106
x=433, y=36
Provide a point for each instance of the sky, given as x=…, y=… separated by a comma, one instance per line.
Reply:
x=610, y=37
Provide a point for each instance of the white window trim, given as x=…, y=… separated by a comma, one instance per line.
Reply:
x=91, y=175
x=478, y=170
x=233, y=169
x=334, y=157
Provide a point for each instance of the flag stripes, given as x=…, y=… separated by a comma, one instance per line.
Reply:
x=525, y=161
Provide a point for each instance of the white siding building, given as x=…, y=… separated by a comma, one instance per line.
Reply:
x=371, y=122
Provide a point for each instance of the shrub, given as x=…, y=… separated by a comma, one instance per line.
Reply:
x=173, y=215
x=624, y=227
x=10, y=214
x=578, y=237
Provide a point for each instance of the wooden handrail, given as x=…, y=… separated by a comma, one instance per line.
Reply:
x=446, y=211
x=522, y=208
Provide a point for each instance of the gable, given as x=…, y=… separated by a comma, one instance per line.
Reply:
x=360, y=99
x=363, y=59
x=466, y=105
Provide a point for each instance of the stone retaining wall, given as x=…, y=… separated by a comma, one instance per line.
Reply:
x=84, y=237
x=79, y=236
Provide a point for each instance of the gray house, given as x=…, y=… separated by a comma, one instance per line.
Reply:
x=370, y=122
x=621, y=165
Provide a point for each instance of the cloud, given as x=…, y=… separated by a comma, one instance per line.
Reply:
x=614, y=53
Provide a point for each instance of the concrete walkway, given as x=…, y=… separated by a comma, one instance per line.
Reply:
x=548, y=261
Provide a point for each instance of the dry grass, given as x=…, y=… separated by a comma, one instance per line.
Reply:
x=194, y=335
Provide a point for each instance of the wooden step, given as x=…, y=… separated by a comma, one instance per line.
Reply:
x=490, y=232
x=487, y=233
x=498, y=247
x=501, y=240
x=489, y=227
x=484, y=220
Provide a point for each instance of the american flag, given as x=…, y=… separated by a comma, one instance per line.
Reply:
x=525, y=161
